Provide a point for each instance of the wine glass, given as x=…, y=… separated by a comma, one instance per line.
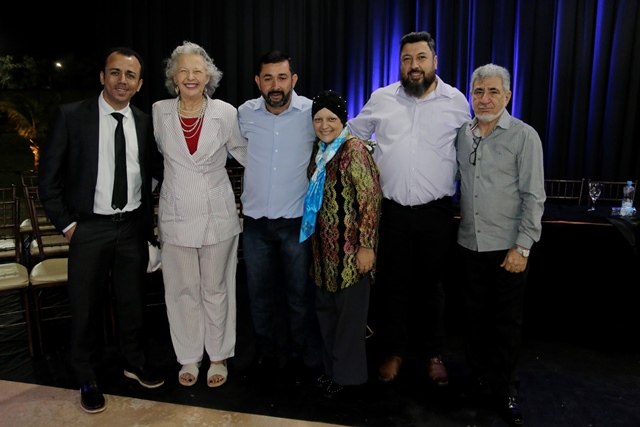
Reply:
x=595, y=188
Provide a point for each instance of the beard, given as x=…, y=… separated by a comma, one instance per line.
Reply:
x=488, y=118
x=277, y=104
x=419, y=87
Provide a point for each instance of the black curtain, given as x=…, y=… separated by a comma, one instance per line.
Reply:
x=575, y=64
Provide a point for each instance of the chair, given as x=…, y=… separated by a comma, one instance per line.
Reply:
x=236, y=176
x=29, y=181
x=14, y=277
x=49, y=274
x=46, y=241
x=48, y=251
x=612, y=191
x=564, y=191
x=9, y=215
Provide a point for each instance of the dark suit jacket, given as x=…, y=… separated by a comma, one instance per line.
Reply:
x=68, y=168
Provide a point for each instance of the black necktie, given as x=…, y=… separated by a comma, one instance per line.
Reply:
x=119, y=198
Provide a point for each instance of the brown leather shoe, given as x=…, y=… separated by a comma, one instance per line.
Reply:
x=437, y=371
x=389, y=369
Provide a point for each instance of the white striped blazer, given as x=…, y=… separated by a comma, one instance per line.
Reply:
x=197, y=205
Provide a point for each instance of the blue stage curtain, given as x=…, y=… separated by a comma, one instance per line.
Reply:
x=575, y=63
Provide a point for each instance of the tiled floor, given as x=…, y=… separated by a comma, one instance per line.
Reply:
x=27, y=405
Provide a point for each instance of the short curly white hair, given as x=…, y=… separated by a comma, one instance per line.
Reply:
x=189, y=48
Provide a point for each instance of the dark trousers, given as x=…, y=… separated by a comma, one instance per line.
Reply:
x=494, y=304
x=280, y=291
x=102, y=251
x=409, y=298
x=343, y=322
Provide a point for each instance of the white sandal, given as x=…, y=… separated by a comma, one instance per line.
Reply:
x=217, y=369
x=190, y=371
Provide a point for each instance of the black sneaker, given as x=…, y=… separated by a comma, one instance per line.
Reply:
x=144, y=376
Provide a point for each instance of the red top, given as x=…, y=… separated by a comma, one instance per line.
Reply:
x=192, y=137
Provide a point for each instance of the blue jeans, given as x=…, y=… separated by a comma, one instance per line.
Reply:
x=280, y=290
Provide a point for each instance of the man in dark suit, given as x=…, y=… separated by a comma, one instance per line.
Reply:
x=108, y=232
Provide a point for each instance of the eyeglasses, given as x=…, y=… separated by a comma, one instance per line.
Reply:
x=474, y=153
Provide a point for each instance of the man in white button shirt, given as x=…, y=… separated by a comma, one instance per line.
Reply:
x=415, y=122
x=107, y=242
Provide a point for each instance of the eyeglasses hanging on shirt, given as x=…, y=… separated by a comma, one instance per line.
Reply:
x=474, y=153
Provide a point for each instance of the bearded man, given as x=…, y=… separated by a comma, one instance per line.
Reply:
x=415, y=122
x=280, y=137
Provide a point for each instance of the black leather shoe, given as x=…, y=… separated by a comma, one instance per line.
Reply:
x=323, y=381
x=144, y=376
x=510, y=410
x=333, y=390
x=91, y=400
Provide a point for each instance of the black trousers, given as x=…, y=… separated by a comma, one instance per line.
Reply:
x=102, y=250
x=494, y=301
x=408, y=297
x=342, y=317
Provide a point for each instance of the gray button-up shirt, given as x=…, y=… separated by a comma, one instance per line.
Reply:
x=502, y=196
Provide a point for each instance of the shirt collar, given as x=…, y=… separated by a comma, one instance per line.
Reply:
x=106, y=109
x=504, y=122
x=296, y=102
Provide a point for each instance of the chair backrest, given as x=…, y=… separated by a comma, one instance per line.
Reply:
x=612, y=191
x=28, y=179
x=236, y=176
x=9, y=225
x=567, y=191
x=47, y=241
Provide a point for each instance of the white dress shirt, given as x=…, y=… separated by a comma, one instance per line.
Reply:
x=106, y=160
x=415, y=149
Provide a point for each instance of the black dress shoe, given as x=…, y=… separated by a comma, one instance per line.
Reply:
x=344, y=392
x=91, y=400
x=334, y=390
x=144, y=376
x=510, y=410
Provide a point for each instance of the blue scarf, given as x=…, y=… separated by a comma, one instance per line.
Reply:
x=315, y=191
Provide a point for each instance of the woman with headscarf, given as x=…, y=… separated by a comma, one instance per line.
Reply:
x=197, y=219
x=341, y=215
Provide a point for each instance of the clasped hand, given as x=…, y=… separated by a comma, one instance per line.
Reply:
x=365, y=257
x=514, y=262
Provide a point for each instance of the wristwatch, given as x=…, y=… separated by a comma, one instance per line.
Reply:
x=522, y=251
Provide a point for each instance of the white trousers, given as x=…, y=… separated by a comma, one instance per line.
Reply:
x=200, y=293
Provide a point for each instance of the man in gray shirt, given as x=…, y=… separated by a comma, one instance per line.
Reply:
x=502, y=202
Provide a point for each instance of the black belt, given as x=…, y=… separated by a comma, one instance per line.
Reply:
x=120, y=216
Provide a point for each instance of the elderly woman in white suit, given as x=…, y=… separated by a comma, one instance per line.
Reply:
x=197, y=220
